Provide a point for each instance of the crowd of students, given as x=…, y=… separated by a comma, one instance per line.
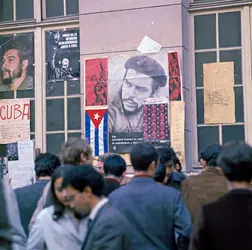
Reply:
x=75, y=205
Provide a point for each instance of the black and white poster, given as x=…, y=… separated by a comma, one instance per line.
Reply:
x=62, y=56
x=17, y=62
x=131, y=80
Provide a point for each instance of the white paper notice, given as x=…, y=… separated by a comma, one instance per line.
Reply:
x=21, y=173
x=148, y=45
x=26, y=150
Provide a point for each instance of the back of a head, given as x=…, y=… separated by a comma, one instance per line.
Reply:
x=102, y=158
x=166, y=154
x=114, y=165
x=210, y=154
x=46, y=164
x=142, y=155
x=160, y=173
x=236, y=162
x=72, y=150
x=84, y=176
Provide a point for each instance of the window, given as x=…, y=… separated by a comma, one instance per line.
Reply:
x=56, y=8
x=13, y=10
x=217, y=38
x=63, y=98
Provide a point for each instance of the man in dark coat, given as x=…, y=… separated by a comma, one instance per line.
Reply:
x=114, y=170
x=28, y=196
x=107, y=228
x=227, y=223
x=159, y=217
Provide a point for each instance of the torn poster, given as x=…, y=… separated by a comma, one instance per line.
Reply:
x=219, y=96
x=175, y=86
x=96, y=79
x=14, y=120
x=96, y=128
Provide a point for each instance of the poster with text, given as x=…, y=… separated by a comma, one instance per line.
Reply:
x=132, y=79
x=14, y=120
x=62, y=58
x=17, y=163
x=17, y=62
x=219, y=95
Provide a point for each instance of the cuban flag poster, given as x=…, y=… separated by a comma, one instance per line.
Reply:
x=96, y=130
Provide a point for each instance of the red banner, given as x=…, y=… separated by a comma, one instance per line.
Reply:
x=96, y=72
x=175, y=88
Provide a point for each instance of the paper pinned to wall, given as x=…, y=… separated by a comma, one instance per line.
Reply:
x=14, y=120
x=148, y=45
x=177, y=134
x=19, y=162
x=219, y=96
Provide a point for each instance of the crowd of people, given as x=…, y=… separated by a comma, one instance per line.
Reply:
x=75, y=205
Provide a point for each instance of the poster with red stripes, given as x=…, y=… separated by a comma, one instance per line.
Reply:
x=175, y=83
x=96, y=79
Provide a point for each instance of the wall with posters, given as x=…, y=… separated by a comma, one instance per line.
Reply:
x=120, y=44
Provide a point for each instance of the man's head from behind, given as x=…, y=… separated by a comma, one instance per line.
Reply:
x=235, y=161
x=15, y=63
x=100, y=163
x=115, y=166
x=208, y=156
x=45, y=165
x=75, y=152
x=167, y=157
x=143, y=78
x=144, y=158
x=84, y=188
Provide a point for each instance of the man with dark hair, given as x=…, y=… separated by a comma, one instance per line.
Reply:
x=114, y=170
x=207, y=187
x=227, y=223
x=28, y=196
x=157, y=213
x=167, y=160
x=143, y=77
x=15, y=64
x=107, y=227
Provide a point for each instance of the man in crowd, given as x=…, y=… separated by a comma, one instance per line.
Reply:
x=100, y=163
x=207, y=187
x=144, y=76
x=15, y=63
x=107, y=228
x=227, y=223
x=5, y=228
x=75, y=152
x=28, y=196
x=167, y=160
x=115, y=170
x=12, y=230
x=156, y=212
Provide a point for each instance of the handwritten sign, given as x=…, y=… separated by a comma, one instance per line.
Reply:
x=219, y=97
x=177, y=126
x=14, y=120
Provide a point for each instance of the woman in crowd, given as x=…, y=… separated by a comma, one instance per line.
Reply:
x=57, y=227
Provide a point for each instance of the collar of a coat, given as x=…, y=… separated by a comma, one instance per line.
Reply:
x=211, y=170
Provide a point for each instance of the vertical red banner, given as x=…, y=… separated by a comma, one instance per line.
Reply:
x=96, y=78
x=175, y=88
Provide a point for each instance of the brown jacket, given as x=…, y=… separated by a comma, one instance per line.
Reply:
x=202, y=189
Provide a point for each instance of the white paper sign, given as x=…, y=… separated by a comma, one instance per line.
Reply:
x=148, y=45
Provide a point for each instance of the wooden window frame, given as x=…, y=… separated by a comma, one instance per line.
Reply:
x=246, y=50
